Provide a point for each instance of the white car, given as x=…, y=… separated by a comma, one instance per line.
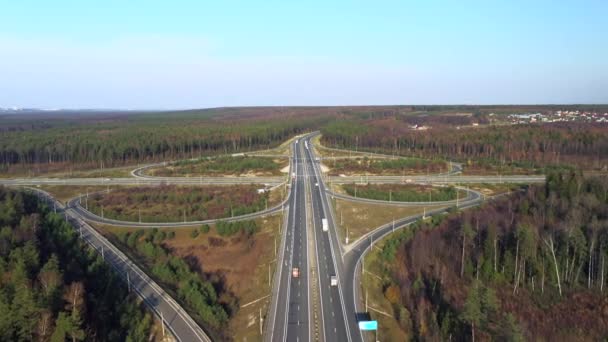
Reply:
x=333, y=280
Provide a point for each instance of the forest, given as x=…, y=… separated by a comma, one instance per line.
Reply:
x=55, y=288
x=205, y=295
x=531, y=266
x=42, y=142
x=523, y=146
x=30, y=143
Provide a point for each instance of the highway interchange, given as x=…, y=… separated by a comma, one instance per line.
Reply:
x=303, y=308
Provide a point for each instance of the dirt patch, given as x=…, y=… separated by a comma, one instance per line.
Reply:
x=361, y=218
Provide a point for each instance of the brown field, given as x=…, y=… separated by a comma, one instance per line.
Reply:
x=361, y=218
x=243, y=263
x=67, y=192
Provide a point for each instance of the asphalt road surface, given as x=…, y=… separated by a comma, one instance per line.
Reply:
x=290, y=308
x=333, y=311
x=268, y=181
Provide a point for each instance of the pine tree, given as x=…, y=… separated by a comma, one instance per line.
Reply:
x=471, y=312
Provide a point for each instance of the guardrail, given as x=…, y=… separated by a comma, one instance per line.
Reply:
x=131, y=269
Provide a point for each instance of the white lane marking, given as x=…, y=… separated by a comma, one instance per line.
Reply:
x=325, y=205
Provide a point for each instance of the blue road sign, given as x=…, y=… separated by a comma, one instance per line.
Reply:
x=368, y=325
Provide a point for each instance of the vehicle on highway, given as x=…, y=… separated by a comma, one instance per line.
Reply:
x=325, y=225
x=293, y=175
x=295, y=272
x=316, y=184
x=333, y=281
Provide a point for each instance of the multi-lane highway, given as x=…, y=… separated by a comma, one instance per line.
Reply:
x=438, y=179
x=328, y=256
x=290, y=315
x=330, y=312
x=269, y=181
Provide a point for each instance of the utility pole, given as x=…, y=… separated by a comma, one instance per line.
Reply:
x=390, y=195
x=139, y=213
x=162, y=322
x=269, y=272
x=103, y=255
x=128, y=282
x=102, y=211
x=346, y=235
x=261, y=321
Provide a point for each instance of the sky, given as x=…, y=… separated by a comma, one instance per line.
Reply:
x=194, y=54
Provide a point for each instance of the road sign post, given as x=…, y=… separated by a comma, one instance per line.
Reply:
x=368, y=325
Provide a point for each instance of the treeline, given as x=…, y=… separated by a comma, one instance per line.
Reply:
x=53, y=287
x=584, y=145
x=171, y=203
x=401, y=193
x=247, y=227
x=131, y=139
x=515, y=268
x=203, y=294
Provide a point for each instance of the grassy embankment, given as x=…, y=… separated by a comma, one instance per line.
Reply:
x=403, y=192
x=178, y=204
x=385, y=167
x=223, y=166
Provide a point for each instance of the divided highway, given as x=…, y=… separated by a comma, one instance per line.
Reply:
x=329, y=257
x=144, y=181
x=289, y=316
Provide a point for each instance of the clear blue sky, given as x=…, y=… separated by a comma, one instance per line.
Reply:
x=190, y=54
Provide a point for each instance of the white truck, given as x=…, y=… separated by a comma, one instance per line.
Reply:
x=325, y=225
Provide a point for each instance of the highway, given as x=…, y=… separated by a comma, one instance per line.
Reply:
x=175, y=318
x=437, y=179
x=268, y=181
x=289, y=316
x=304, y=245
x=328, y=256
